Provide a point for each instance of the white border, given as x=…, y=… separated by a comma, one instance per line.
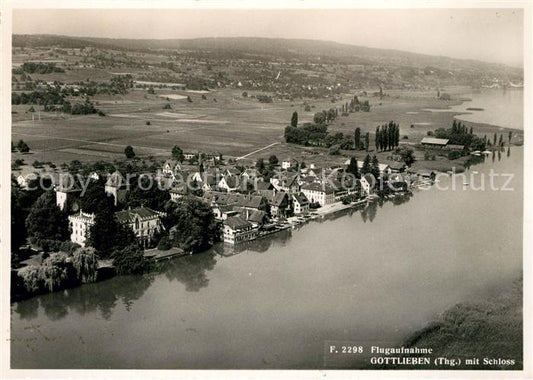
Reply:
x=5, y=112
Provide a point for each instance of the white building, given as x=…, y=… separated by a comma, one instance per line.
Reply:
x=79, y=224
x=300, y=204
x=367, y=183
x=318, y=193
x=238, y=230
x=144, y=222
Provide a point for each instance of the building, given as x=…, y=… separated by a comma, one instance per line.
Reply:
x=170, y=168
x=238, y=230
x=286, y=182
x=289, y=163
x=190, y=155
x=229, y=183
x=178, y=191
x=367, y=183
x=317, y=193
x=455, y=147
x=144, y=222
x=434, y=142
x=67, y=193
x=117, y=187
x=79, y=224
x=300, y=204
x=279, y=202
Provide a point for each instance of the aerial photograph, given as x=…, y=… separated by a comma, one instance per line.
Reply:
x=266, y=189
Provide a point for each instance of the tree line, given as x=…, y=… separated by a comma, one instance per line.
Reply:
x=459, y=134
x=387, y=136
x=38, y=67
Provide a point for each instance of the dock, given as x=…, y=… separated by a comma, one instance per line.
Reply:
x=156, y=255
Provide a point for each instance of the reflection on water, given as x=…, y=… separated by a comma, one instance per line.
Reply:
x=373, y=280
x=259, y=245
x=191, y=270
x=86, y=299
x=370, y=211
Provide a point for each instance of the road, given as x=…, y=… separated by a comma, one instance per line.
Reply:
x=256, y=151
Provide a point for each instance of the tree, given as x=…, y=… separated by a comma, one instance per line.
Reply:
x=164, y=244
x=375, y=167
x=406, y=154
x=494, y=139
x=129, y=260
x=273, y=160
x=510, y=136
x=107, y=234
x=191, y=223
x=95, y=199
x=260, y=165
x=367, y=141
x=177, y=153
x=85, y=263
x=357, y=138
x=46, y=221
x=128, y=151
x=366, y=165
x=23, y=147
x=352, y=167
x=294, y=119
x=57, y=272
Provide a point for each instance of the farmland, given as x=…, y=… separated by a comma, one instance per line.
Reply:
x=217, y=109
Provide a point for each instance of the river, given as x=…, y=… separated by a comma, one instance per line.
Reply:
x=501, y=108
x=367, y=276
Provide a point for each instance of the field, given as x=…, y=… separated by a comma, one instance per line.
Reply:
x=221, y=120
x=232, y=125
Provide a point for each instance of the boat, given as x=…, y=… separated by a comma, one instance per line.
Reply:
x=487, y=152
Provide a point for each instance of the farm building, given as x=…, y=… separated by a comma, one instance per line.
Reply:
x=434, y=142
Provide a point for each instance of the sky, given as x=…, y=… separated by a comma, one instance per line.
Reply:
x=491, y=35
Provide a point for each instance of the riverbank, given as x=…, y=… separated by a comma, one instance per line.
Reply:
x=489, y=328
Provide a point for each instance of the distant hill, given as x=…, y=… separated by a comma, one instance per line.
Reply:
x=326, y=50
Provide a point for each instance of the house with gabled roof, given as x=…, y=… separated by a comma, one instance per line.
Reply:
x=279, y=203
x=368, y=183
x=238, y=230
x=287, y=182
x=144, y=222
x=170, y=167
x=300, y=204
x=229, y=183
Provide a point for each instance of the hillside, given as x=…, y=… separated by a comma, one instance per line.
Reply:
x=323, y=51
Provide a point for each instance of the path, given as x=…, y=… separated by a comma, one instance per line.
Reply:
x=258, y=150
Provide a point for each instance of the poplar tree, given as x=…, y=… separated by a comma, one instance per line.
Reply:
x=294, y=119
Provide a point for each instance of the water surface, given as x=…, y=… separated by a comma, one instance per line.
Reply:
x=376, y=275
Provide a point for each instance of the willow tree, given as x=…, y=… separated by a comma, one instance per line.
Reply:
x=85, y=263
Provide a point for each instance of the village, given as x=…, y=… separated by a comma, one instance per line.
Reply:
x=246, y=206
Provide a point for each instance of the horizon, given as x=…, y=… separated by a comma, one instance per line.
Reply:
x=439, y=32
